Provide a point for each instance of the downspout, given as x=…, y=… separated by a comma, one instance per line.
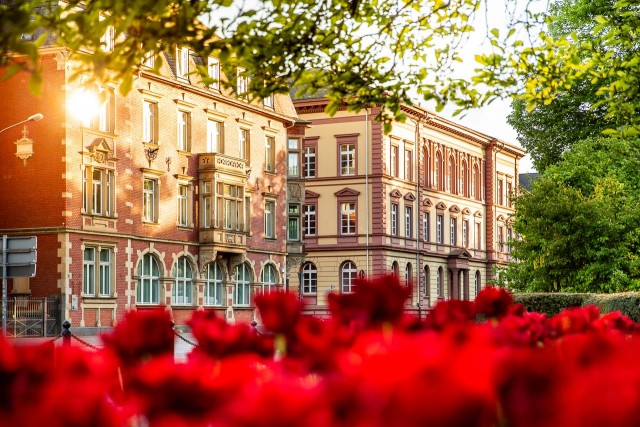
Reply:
x=366, y=183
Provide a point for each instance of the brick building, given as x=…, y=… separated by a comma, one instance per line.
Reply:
x=174, y=195
x=429, y=202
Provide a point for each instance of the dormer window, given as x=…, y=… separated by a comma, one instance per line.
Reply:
x=182, y=62
x=107, y=42
x=242, y=83
x=213, y=69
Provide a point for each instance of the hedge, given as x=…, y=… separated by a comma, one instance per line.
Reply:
x=553, y=303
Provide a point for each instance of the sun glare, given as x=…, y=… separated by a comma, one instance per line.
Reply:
x=84, y=105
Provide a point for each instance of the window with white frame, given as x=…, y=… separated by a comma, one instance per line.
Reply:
x=500, y=238
x=215, y=141
x=184, y=131
x=99, y=191
x=207, y=207
x=148, y=291
x=309, y=279
x=269, y=278
x=182, y=62
x=408, y=274
x=426, y=235
x=348, y=274
x=453, y=232
x=150, y=196
x=426, y=286
x=150, y=122
x=268, y=101
x=509, y=238
x=97, y=272
x=465, y=233
x=439, y=224
x=242, y=82
x=440, y=283
x=500, y=192
x=408, y=165
x=106, y=118
x=393, y=160
x=293, y=159
x=347, y=159
x=309, y=162
x=245, y=144
x=242, y=288
x=149, y=59
x=269, y=219
x=394, y=219
x=213, y=285
x=230, y=207
x=183, y=286
x=408, y=221
x=509, y=194
x=478, y=235
x=270, y=154
x=310, y=220
x=184, y=205
x=347, y=218
x=293, y=223
x=108, y=40
x=476, y=282
x=451, y=175
x=213, y=69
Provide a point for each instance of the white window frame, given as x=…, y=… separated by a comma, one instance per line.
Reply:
x=270, y=153
x=408, y=221
x=347, y=159
x=439, y=231
x=269, y=278
x=394, y=219
x=147, y=278
x=213, y=69
x=149, y=122
x=309, y=279
x=310, y=220
x=215, y=140
x=242, y=286
x=182, y=63
x=426, y=235
x=348, y=273
x=150, y=200
x=348, y=218
x=269, y=219
x=309, y=162
x=213, y=290
x=453, y=230
x=183, y=283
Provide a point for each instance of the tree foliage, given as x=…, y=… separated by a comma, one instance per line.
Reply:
x=579, y=223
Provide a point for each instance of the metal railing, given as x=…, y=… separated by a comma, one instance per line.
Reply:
x=30, y=316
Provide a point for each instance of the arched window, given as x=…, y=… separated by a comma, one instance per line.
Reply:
x=440, y=283
x=464, y=179
x=348, y=274
x=451, y=178
x=309, y=279
x=426, y=286
x=395, y=269
x=269, y=278
x=476, y=283
x=476, y=187
x=427, y=167
x=149, y=282
x=242, y=288
x=183, y=286
x=213, y=285
x=439, y=172
x=408, y=274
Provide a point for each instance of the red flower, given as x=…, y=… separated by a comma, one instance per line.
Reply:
x=450, y=313
x=493, y=302
x=279, y=311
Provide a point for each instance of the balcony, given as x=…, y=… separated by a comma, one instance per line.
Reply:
x=214, y=162
x=223, y=240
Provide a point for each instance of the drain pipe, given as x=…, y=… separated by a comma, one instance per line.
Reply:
x=366, y=182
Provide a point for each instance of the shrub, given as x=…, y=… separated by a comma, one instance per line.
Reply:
x=628, y=303
x=549, y=303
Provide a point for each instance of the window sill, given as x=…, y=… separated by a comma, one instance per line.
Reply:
x=185, y=227
x=271, y=238
x=183, y=306
x=94, y=215
x=243, y=307
x=151, y=224
x=92, y=299
x=184, y=153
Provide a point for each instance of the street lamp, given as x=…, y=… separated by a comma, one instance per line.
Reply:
x=24, y=146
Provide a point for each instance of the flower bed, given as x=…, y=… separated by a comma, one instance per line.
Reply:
x=370, y=364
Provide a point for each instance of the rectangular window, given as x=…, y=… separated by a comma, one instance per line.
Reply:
x=348, y=218
x=293, y=225
x=229, y=207
x=150, y=122
x=509, y=238
x=184, y=131
x=268, y=101
x=394, y=160
x=107, y=114
x=347, y=159
x=270, y=154
x=99, y=190
x=465, y=233
x=478, y=236
x=89, y=271
x=242, y=82
x=213, y=69
x=439, y=221
x=183, y=206
x=96, y=271
x=215, y=142
x=293, y=159
x=509, y=194
x=500, y=195
x=500, y=238
x=105, y=272
x=394, y=219
x=206, y=204
x=408, y=165
x=426, y=235
x=310, y=220
x=408, y=221
x=108, y=40
x=269, y=219
x=454, y=232
x=182, y=62
x=150, y=200
x=149, y=59
x=309, y=162
x=245, y=144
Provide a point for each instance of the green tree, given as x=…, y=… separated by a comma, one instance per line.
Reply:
x=579, y=223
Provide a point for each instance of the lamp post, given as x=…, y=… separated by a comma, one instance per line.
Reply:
x=24, y=146
x=34, y=118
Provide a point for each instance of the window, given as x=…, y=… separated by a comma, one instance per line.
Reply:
x=105, y=121
x=269, y=278
x=182, y=62
x=293, y=157
x=439, y=283
x=408, y=165
x=309, y=162
x=149, y=281
x=184, y=205
x=393, y=161
x=451, y=176
x=215, y=142
x=426, y=232
x=408, y=221
x=213, y=69
x=309, y=220
x=477, y=185
x=439, y=172
x=395, y=270
x=268, y=101
x=150, y=200
x=245, y=144
x=500, y=238
x=427, y=167
x=206, y=204
x=103, y=271
x=150, y=122
x=348, y=274
x=478, y=235
x=426, y=286
x=293, y=226
x=464, y=178
x=509, y=194
x=394, y=219
x=509, y=238
x=107, y=41
x=465, y=233
x=347, y=159
x=408, y=274
x=184, y=131
x=242, y=82
x=309, y=279
x=149, y=59
x=183, y=287
x=270, y=154
x=89, y=272
x=347, y=218
x=269, y=219
x=213, y=285
x=454, y=232
x=229, y=198
x=500, y=194
x=476, y=282
x=242, y=289
x=99, y=191
x=439, y=221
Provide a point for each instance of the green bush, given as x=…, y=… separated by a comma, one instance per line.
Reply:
x=628, y=303
x=550, y=303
